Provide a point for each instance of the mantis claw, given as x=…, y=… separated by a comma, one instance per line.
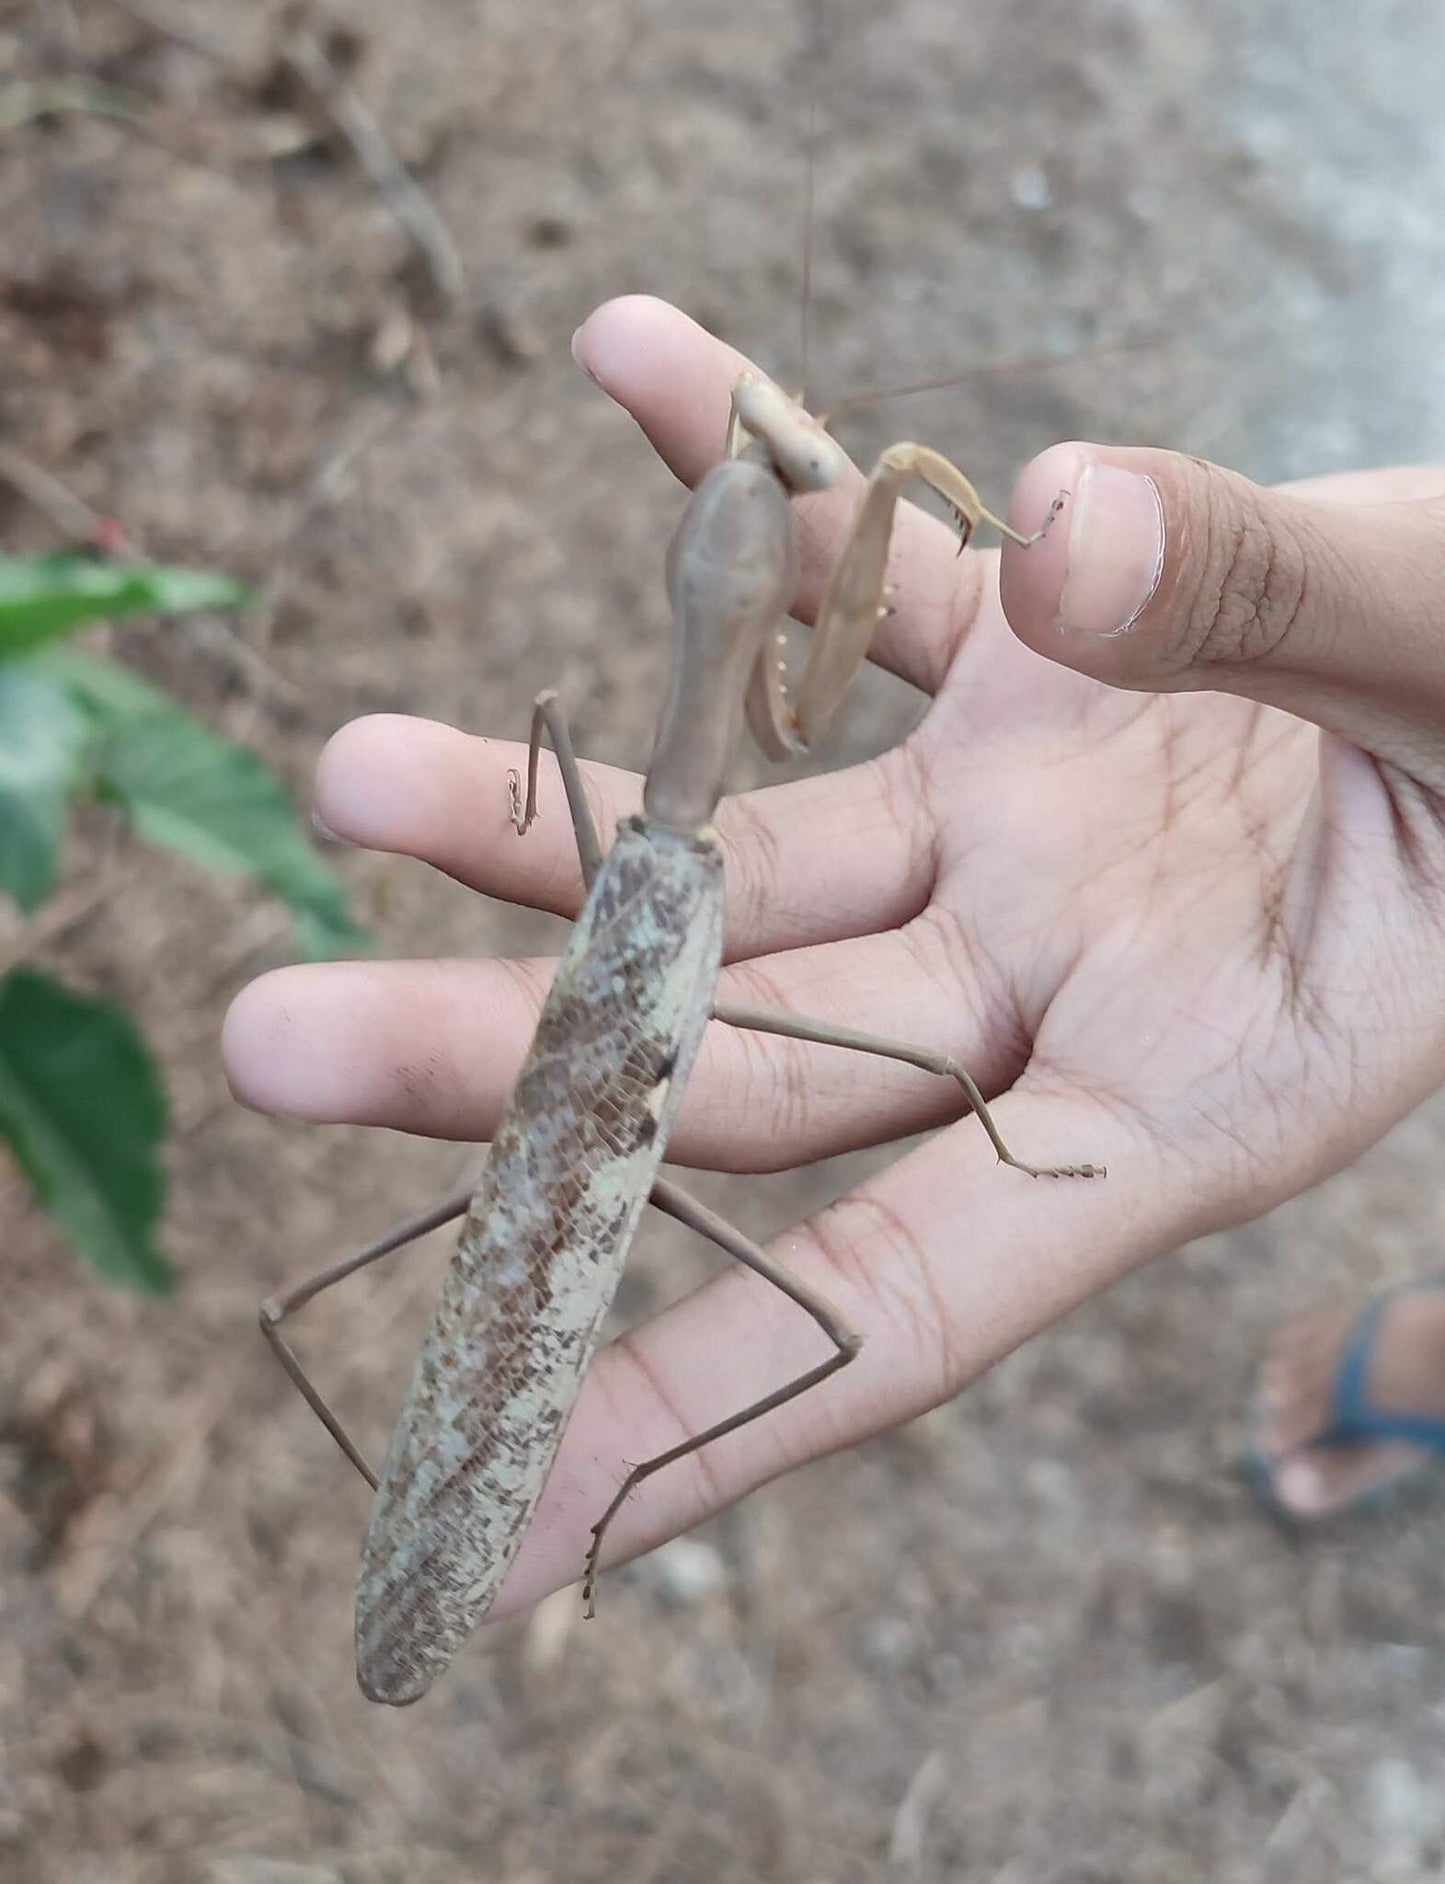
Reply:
x=520, y=819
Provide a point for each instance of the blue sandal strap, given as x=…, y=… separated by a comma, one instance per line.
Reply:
x=1353, y=1416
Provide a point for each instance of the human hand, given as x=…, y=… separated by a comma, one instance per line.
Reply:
x=1178, y=932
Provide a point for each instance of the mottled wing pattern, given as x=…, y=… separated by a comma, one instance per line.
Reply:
x=569, y=1170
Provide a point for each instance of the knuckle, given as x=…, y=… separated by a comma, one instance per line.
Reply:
x=1253, y=581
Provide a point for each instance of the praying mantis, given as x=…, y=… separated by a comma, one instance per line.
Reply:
x=576, y=1154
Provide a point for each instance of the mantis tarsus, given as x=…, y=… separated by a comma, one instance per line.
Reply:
x=577, y=1151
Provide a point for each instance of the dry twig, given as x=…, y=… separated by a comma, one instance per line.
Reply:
x=305, y=59
x=72, y=517
x=398, y=189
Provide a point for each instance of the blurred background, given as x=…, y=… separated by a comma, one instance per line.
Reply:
x=1044, y=1636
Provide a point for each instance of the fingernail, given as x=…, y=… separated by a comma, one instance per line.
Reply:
x=1116, y=551
x=324, y=831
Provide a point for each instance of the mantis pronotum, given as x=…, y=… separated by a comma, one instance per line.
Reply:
x=577, y=1151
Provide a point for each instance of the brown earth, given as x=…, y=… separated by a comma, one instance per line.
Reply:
x=1043, y=1636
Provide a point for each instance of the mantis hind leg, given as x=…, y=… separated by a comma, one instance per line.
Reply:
x=685, y=1208
x=668, y=1197
x=276, y=1308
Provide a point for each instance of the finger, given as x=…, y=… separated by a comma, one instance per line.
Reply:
x=1173, y=574
x=428, y=791
x=674, y=377
x=943, y=1264
x=676, y=380
x=422, y=789
x=435, y=1047
x=426, y=1047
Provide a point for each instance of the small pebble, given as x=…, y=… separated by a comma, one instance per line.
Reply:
x=1029, y=188
x=684, y=1571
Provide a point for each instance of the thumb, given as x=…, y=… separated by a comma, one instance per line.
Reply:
x=1170, y=574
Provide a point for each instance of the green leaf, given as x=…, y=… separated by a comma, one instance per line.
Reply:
x=82, y=1107
x=43, y=741
x=42, y=597
x=185, y=787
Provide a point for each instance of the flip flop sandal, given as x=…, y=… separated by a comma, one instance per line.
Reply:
x=1356, y=1420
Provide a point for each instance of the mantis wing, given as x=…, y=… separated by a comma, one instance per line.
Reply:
x=540, y=1256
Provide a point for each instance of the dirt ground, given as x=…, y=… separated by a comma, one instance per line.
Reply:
x=1042, y=1637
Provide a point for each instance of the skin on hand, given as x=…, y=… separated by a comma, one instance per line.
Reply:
x=1179, y=931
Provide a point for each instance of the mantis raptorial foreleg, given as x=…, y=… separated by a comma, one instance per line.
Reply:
x=787, y=722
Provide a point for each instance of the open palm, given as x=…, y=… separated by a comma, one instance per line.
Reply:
x=1182, y=934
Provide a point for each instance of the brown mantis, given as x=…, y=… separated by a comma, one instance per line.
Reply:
x=577, y=1152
